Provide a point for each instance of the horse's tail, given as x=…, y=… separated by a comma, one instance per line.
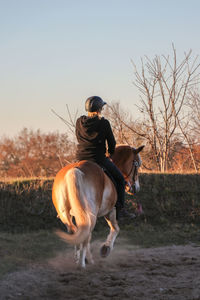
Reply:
x=78, y=204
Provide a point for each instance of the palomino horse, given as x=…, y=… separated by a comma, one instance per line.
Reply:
x=82, y=190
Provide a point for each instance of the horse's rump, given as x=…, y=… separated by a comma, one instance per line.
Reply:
x=81, y=190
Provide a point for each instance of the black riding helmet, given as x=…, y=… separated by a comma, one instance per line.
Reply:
x=94, y=103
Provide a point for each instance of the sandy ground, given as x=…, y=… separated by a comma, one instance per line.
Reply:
x=128, y=273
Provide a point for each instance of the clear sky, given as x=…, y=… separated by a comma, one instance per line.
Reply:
x=58, y=52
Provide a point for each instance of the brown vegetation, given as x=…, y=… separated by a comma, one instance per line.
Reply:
x=34, y=154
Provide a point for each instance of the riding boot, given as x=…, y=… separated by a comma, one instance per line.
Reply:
x=121, y=212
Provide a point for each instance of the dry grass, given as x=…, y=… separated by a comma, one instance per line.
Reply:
x=21, y=179
x=142, y=171
x=190, y=172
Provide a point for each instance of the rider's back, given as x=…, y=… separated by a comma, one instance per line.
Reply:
x=92, y=134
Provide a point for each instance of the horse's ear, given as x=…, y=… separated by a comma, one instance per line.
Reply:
x=136, y=151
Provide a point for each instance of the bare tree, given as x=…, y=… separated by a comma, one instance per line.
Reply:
x=118, y=117
x=126, y=130
x=194, y=106
x=192, y=127
x=164, y=85
x=69, y=121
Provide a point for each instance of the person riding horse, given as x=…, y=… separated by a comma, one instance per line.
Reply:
x=93, y=132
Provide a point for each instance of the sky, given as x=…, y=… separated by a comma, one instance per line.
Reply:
x=58, y=52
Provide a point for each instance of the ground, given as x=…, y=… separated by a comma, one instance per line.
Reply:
x=130, y=272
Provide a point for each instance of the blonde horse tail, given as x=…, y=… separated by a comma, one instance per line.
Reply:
x=76, y=238
x=78, y=204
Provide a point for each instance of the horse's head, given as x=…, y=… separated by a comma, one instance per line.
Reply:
x=128, y=160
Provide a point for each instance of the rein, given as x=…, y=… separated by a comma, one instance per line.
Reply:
x=136, y=165
x=131, y=190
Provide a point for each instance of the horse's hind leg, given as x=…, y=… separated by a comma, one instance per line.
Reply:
x=82, y=253
x=114, y=230
x=89, y=254
x=77, y=253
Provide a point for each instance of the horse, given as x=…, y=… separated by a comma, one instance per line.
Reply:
x=82, y=192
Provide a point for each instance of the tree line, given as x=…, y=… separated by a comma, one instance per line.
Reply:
x=168, y=124
x=34, y=153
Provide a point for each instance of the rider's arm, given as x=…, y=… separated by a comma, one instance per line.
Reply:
x=110, y=137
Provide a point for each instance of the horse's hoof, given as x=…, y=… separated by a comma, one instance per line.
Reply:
x=105, y=250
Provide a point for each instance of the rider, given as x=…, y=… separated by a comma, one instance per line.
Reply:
x=93, y=132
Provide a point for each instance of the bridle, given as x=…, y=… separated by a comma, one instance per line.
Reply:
x=135, y=166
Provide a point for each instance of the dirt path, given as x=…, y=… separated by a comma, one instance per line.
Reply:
x=129, y=273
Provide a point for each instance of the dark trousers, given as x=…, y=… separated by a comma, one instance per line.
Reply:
x=118, y=178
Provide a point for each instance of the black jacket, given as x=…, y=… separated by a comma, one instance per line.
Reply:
x=92, y=135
